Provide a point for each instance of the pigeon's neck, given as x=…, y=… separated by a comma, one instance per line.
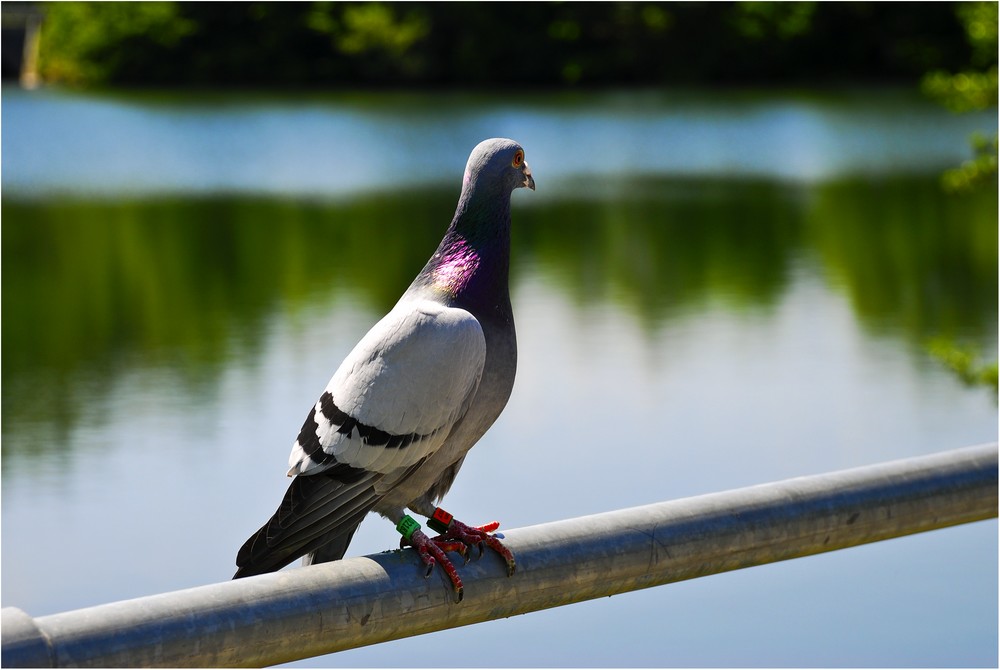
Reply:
x=471, y=265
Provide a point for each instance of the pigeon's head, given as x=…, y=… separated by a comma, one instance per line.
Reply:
x=498, y=164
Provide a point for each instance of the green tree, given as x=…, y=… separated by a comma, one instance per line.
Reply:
x=97, y=42
x=972, y=89
x=473, y=44
x=964, y=362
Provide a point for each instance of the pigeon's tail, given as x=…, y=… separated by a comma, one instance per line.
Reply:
x=317, y=516
x=333, y=550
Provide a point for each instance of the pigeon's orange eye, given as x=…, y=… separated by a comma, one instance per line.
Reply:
x=518, y=159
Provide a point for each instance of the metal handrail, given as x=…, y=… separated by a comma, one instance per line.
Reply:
x=319, y=609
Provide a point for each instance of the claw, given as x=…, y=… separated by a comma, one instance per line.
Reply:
x=431, y=553
x=504, y=552
x=480, y=536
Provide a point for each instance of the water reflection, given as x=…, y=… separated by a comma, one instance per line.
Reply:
x=915, y=263
x=343, y=144
x=668, y=246
x=188, y=284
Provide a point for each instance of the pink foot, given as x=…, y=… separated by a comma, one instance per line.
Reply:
x=470, y=536
x=456, y=537
x=432, y=551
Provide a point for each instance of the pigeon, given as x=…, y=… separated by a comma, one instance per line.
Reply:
x=393, y=426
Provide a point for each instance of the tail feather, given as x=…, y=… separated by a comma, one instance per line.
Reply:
x=323, y=508
x=317, y=510
x=330, y=550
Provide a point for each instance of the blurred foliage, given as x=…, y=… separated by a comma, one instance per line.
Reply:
x=373, y=34
x=189, y=284
x=520, y=44
x=980, y=170
x=87, y=42
x=969, y=90
x=770, y=20
x=972, y=89
x=964, y=362
x=965, y=91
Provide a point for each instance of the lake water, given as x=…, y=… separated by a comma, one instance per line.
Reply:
x=743, y=284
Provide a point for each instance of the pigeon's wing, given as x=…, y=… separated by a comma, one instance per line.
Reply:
x=322, y=510
x=394, y=399
x=388, y=407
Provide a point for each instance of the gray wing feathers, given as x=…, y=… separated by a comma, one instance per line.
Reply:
x=404, y=386
x=314, y=511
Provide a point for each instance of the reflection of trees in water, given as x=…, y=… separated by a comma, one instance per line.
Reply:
x=913, y=262
x=189, y=283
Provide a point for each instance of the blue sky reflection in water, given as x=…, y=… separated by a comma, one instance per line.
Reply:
x=155, y=144
x=748, y=301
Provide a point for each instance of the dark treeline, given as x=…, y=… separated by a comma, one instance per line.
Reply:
x=508, y=44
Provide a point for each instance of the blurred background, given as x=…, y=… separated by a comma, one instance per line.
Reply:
x=764, y=241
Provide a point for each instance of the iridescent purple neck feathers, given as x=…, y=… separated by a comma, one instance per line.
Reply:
x=470, y=270
x=457, y=263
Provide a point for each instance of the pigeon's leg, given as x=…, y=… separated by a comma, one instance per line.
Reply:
x=452, y=529
x=432, y=551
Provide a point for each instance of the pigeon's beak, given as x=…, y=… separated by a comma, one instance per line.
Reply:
x=529, y=181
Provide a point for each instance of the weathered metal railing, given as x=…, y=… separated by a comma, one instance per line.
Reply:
x=360, y=601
